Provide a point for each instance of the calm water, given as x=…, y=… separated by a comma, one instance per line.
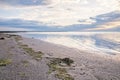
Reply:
x=108, y=42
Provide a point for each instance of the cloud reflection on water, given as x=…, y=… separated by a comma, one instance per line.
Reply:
x=86, y=41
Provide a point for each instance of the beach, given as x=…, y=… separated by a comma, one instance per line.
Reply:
x=24, y=58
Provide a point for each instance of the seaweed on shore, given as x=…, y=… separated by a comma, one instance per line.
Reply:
x=5, y=62
x=55, y=65
x=36, y=55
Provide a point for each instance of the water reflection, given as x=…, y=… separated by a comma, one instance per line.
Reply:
x=89, y=41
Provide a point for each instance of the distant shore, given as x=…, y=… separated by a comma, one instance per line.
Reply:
x=31, y=59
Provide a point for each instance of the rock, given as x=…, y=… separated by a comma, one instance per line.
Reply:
x=2, y=38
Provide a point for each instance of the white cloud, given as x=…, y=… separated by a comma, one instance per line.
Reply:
x=68, y=12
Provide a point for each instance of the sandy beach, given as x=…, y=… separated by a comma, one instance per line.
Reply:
x=31, y=59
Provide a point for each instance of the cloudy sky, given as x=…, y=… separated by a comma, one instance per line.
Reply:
x=59, y=15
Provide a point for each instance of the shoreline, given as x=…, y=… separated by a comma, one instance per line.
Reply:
x=87, y=65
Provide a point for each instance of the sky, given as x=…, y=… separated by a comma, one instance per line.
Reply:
x=60, y=15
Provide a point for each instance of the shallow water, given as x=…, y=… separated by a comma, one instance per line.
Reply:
x=106, y=42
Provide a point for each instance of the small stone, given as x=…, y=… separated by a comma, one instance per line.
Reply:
x=2, y=38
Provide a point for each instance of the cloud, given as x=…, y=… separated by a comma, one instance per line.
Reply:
x=61, y=13
x=13, y=29
x=20, y=2
x=17, y=23
x=108, y=21
x=104, y=22
x=107, y=26
x=26, y=24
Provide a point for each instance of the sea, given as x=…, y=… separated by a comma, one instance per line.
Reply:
x=99, y=42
